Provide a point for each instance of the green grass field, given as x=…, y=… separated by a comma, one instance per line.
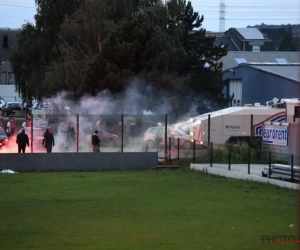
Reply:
x=146, y=210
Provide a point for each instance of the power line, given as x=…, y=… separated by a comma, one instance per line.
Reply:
x=261, y=19
x=249, y=6
x=195, y=5
x=18, y=6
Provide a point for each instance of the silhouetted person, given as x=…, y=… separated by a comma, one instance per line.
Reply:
x=22, y=141
x=96, y=142
x=48, y=141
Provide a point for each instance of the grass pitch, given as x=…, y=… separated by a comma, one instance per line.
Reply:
x=147, y=210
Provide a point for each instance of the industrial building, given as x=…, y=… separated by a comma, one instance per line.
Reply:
x=253, y=77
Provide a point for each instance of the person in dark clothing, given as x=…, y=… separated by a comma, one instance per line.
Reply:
x=96, y=142
x=22, y=141
x=48, y=141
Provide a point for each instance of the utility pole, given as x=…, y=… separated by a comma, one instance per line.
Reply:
x=222, y=16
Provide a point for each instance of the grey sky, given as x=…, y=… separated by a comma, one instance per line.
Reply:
x=239, y=14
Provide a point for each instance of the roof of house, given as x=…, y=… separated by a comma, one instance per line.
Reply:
x=288, y=71
x=291, y=72
x=234, y=58
x=250, y=33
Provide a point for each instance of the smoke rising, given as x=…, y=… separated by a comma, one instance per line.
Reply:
x=106, y=103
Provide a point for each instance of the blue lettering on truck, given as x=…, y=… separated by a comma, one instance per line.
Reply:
x=277, y=136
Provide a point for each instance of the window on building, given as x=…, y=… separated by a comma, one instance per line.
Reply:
x=3, y=79
x=281, y=60
x=10, y=78
x=5, y=41
x=240, y=60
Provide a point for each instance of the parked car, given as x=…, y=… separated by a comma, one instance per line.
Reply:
x=3, y=138
x=10, y=108
x=184, y=138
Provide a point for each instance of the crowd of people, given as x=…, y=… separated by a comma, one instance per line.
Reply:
x=64, y=130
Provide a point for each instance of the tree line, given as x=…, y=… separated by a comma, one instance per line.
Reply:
x=87, y=46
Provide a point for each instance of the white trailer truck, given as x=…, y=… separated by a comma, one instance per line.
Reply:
x=235, y=122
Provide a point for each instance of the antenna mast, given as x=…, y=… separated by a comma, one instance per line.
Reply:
x=222, y=16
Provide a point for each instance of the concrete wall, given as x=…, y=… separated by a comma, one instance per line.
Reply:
x=78, y=161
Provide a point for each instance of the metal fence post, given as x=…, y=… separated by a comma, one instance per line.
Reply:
x=208, y=132
x=177, y=150
x=270, y=162
x=194, y=151
x=251, y=125
x=31, y=134
x=77, y=136
x=122, y=133
x=166, y=134
x=211, y=154
x=229, y=157
x=249, y=159
x=170, y=148
x=292, y=167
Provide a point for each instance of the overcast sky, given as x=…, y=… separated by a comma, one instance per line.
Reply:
x=239, y=14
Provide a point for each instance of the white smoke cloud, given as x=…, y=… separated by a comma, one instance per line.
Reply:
x=127, y=102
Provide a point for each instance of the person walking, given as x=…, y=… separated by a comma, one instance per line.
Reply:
x=48, y=141
x=96, y=142
x=22, y=141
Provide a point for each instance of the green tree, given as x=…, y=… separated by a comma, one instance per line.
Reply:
x=25, y=62
x=37, y=46
x=90, y=46
x=288, y=43
x=201, y=55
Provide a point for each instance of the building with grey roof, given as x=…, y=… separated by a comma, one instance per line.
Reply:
x=234, y=58
x=245, y=39
x=259, y=82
